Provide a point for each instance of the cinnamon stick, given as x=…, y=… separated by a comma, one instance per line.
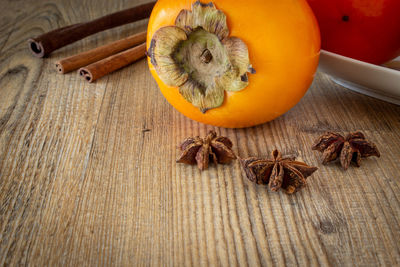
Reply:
x=105, y=66
x=44, y=44
x=83, y=59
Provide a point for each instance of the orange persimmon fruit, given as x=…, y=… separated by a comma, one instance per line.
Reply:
x=231, y=63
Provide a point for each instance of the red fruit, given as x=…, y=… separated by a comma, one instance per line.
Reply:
x=367, y=30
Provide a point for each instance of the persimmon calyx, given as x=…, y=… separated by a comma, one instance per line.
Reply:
x=198, y=56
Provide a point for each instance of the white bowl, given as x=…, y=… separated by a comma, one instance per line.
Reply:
x=369, y=79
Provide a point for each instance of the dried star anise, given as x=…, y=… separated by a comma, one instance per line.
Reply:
x=278, y=172
x=201, y=150
x=349, y=149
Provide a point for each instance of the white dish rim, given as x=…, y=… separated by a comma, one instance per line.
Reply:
x=366, y=64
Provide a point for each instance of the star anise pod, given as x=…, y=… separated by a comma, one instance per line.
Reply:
x=351, y=148
x=202, y=150
x=278, y=172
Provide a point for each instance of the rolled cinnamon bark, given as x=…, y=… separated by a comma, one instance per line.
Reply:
x=83, y=59
x=44, y=44
x=105, y=66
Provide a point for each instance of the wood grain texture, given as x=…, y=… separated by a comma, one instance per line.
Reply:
x=88, y=173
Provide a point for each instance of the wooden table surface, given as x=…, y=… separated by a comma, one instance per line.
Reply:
x=88, y=173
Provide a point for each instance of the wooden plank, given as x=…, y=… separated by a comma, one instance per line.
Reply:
x=88, y=173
